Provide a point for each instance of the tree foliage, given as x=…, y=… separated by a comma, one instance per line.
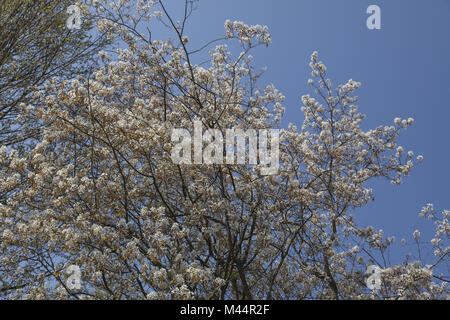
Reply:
x=100, y=189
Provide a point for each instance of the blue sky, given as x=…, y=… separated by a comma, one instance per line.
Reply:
x=404, y=69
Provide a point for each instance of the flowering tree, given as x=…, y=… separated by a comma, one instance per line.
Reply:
x=36, y=45
x=101, y=191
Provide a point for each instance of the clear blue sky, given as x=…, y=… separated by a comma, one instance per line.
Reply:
x=404, y=69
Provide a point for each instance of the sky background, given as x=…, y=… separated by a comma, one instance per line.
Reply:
x=404, y=69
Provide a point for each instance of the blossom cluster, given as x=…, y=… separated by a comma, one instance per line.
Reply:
x=100, y=189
